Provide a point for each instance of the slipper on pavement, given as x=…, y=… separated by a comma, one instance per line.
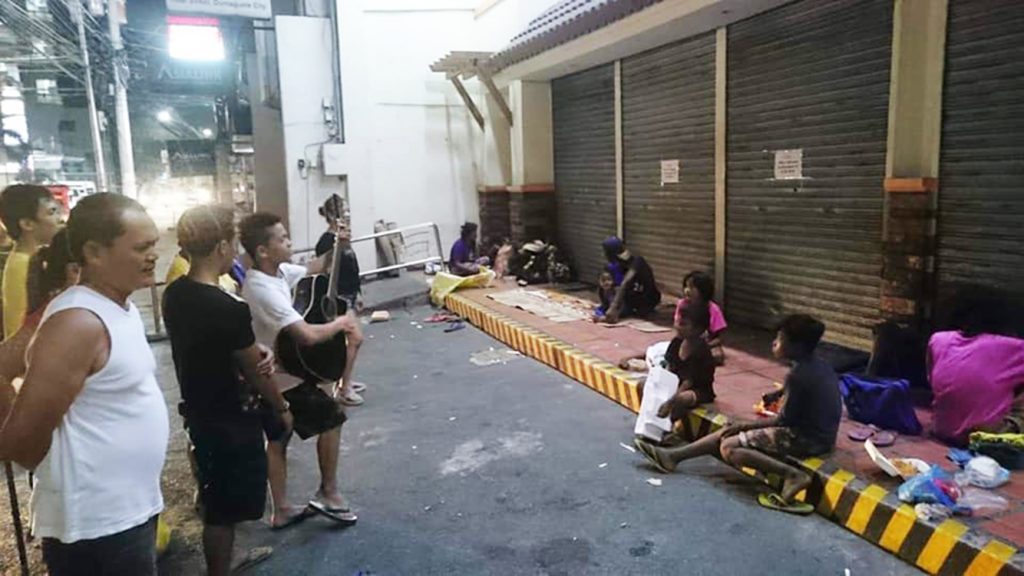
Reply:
x=291, y=521
x=775, y=502
x=455, y=326
x=358, y=387
x=884, y=438
x=861, y=433
x=339, y=515
x=251, y=558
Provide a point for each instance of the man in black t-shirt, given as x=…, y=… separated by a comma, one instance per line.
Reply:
x=222, y=373
x=637, y=294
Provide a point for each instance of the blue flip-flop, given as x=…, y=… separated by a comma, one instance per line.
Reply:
x=455, y=326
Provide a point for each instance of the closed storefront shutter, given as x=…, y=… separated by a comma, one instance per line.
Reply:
x=583, y=108
x=810, y=76
x=668, y=115
x=981, y=184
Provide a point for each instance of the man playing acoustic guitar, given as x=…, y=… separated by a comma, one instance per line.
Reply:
x=268, y=289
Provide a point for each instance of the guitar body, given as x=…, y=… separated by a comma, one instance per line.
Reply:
x=322, y=362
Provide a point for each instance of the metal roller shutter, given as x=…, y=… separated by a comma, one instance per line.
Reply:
x=668, y=113
x=981, y=184
x=811, y=75
x=583, y=109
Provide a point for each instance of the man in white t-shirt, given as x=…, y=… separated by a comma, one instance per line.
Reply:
x=268, y=290
x=90, y=418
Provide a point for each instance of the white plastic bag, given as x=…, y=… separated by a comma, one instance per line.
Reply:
x=982, y=502
x=983, y=472
x=658, y=388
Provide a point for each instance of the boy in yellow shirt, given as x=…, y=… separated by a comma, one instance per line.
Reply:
x=32, y=218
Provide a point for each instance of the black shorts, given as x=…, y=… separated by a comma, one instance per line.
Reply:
x=128, y=553
x=231, y=469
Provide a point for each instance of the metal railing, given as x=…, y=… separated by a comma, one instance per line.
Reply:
x=402, y=265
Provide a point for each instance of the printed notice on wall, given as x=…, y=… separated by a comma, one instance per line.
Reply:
x=244, y=8
x=789, y=164
x=669, y=172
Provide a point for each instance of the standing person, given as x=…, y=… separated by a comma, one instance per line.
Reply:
x=32, y=218
x=94, y=425
x=267, y=289
x=349, y=288
x=463, y=260
x=806, y=427
x=217, y=361
x=637, y=294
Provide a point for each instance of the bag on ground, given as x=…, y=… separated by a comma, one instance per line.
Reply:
x=883, y=402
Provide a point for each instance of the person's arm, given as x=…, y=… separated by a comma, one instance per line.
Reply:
x=50, y=386
x=306, y=334
x=615, y=310
x=319, y=265
x=249, y=361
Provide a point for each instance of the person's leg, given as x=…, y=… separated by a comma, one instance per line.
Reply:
x=735, y=453
x=666, y=459
x=277, y=476
x=328, y=447
x=354, y=338
x=67, y=559
x=129, y=553
x=218, y=542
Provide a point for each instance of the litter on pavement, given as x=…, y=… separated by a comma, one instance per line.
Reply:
x=492, y=356
x=654, y=481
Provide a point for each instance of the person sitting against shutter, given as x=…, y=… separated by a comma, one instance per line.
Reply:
x=463, y=260
x=699, y=288
x=976, y=370
x=806, y=427
x=637, y=294
x=689, y=357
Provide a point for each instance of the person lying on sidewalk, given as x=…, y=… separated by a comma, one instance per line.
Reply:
x=976, y=371
x=806, y=427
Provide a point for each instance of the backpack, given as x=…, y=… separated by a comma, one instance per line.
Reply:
x=884, y=402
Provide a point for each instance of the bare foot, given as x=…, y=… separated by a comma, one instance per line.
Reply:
x=793, y=485
x=287, y=516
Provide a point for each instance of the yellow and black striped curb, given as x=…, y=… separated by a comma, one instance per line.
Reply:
x=868, y=510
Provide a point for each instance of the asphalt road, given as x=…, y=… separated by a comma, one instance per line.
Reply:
x=514, y=469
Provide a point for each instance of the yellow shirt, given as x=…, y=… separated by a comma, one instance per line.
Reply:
x=180, y=267
x=15, y=292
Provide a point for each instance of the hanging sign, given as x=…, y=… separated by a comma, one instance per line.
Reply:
x=789, y=164
x=245, y=8
x=669, y=172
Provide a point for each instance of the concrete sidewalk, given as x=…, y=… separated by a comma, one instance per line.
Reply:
x=849, y=489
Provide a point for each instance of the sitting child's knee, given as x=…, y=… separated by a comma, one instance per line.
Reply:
x=727, y=446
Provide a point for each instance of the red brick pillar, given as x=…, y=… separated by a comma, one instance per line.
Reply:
x=532, y=212
x=494, y=214
x=908, y=250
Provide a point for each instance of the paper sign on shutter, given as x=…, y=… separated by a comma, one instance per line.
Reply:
x=669, y=172
x=789, y=164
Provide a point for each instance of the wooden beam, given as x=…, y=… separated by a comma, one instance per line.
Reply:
x=496, y=94
x=469, y=101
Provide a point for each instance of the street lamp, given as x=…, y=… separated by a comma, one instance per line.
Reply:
x=163, y=116
x=207, y=133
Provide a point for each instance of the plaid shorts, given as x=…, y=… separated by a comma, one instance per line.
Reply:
x=781, y=441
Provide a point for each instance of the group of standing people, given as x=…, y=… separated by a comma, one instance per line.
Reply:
x=93, y=426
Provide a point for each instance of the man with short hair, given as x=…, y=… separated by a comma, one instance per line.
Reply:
x=32, y=218
x=90, y=418
x=268, y=290
x=217, y=361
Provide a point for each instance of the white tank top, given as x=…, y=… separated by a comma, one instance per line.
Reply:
x=102, y=473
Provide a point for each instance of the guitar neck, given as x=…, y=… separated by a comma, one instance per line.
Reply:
x=335, y=270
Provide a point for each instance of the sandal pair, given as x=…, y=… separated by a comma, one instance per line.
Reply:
x=880, y=438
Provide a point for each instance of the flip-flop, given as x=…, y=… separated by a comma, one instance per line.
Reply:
x=455, y=326
x=883, y=438
x=647, y=451
x=342, y=516
x=775, y=502
x=861, y=433
x=291, y=521
x=251, y=558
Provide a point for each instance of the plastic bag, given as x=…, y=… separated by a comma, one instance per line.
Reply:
x=982, y=502
x=932, y=512
x=660, y=386
x=933, y=487
x=984, y=472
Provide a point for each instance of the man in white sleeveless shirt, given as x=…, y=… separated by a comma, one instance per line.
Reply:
x=90, y=418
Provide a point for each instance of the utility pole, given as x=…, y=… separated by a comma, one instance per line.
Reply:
x=75, y=6
x=124, y=128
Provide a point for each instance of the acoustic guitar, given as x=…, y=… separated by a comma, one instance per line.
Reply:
x=316, y=299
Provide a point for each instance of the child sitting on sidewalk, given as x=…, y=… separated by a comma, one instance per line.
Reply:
x=689, y=358
x=699, y=288
x=605, y=293
x=806, y=427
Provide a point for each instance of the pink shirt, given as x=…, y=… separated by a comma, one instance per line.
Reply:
x=974, y=380
x=717, y=318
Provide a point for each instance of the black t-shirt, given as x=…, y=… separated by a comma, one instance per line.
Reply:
x=813, y=404
x=698, y=367
x=348, y=279
x=642, y=295
x=206, y=325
